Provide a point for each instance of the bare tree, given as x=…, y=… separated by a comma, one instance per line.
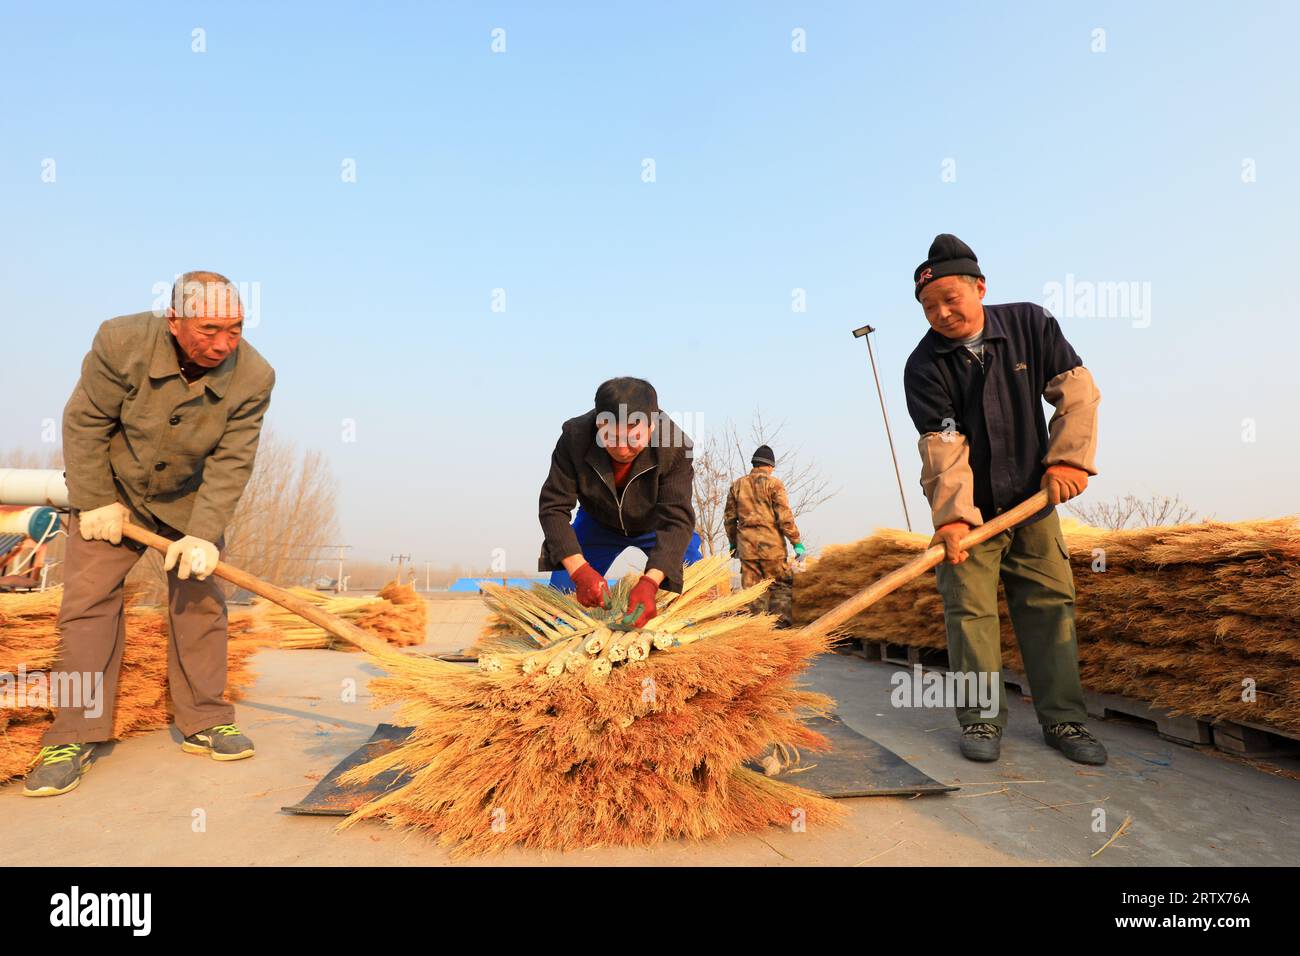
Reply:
x=286, y=516
x=807, y=487
x=713, y=477
x=365, y=575
x=51, y=457
x=723, y=457
x=1133, y=512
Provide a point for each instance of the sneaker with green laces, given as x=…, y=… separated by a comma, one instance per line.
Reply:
x=222, y=742
x=57, y=769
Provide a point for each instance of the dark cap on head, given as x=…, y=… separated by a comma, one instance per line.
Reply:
x=625, y=396
x=763, y=456
x=949, y=256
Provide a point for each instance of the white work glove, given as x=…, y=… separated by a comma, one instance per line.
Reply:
x=104, y=524
x=196, y=556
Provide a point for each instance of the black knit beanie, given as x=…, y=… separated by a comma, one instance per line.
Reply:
x=763, y=456
x=949, y=256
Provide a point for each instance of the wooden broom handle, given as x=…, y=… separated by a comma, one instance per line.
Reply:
x=340, y=628
x=842, y=613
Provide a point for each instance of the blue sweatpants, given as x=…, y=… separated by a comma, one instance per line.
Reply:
x=601, y=545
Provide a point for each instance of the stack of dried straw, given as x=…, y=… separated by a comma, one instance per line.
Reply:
x=1183, y=617
x=571, y=734
x=29, y=640
x=396, y=613
x=29, y=643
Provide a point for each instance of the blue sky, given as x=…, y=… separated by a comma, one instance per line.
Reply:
x=775, y=170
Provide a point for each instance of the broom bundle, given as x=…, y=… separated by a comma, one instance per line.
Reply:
x=404, y=621
x=29, y=640
x=1184, y=617
x=550, y=616
x=571, y=744
x=570, y=633
x=397, y=614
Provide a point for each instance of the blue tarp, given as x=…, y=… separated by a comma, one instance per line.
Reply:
x=471, y=585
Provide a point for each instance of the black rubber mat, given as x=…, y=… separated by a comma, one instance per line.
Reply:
x=856, y=766
x=329, y=799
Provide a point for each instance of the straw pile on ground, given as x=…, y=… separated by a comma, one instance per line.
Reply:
x=406, y=620
x=577, y=735
x=397, y=614
x=1180, y=616
x=29, y=641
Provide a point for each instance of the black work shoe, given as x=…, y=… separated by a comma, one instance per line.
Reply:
x=982, y=742
x=222, y=742
x=1073, y=740
x=58, y=769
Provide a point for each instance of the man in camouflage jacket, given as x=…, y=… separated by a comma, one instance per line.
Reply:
x=757, y=521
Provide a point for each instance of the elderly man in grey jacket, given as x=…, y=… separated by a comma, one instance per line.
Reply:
x=161, y=430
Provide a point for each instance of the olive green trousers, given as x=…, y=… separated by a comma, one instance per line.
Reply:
x=1034, y=567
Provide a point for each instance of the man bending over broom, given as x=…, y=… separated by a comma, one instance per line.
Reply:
x=975, y=387
x=160, y=431
x=627, y=466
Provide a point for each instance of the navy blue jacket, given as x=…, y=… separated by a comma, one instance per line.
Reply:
x=999, y=408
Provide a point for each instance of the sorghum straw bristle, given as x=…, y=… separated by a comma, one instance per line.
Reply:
x=620, y=751
x=397, y=614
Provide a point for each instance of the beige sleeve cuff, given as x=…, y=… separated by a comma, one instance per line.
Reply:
x=1072, y=432
x=947, y=479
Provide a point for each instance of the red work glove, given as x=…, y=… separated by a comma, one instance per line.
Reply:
x=1064, y=482
x=949, y=535
x=592, y=588
x=641, y=602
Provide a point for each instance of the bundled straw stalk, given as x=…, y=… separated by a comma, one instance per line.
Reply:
x=29, y=640
x=397, y=614
x=1180, y=616
x=628, y=742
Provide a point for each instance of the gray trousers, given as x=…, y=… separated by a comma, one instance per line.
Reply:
x=92, y=637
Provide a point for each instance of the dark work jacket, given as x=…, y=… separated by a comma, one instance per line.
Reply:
x=999, y=407
x=656, y=496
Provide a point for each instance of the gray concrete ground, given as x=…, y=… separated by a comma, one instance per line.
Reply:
x=142, y=802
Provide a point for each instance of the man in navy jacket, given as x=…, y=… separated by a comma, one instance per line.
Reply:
x=975, y=387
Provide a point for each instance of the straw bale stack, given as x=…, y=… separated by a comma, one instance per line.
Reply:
x=397, y=614
x=29, y=643
x=1180, y=616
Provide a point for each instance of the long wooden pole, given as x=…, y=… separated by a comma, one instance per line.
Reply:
x=344, y=630
x=835, y=617
x=931, y=557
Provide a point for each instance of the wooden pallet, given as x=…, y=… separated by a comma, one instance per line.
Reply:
x=1180, y=728
x=871, y=650
x=1245, y=739
x=1242, y=738
x=902, y=654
